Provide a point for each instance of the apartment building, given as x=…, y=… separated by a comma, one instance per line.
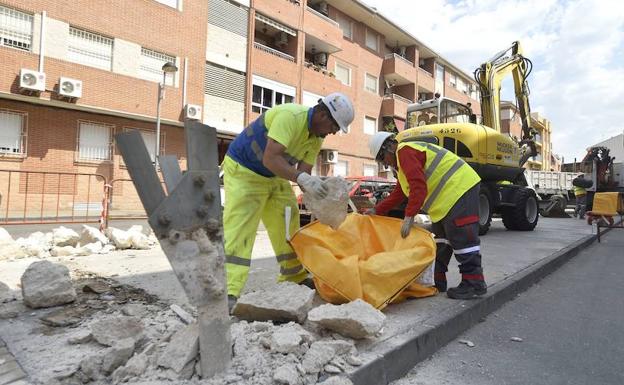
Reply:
x=511, y=124
x=75, y=73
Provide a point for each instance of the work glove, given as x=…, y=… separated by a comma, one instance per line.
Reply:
x=370, y=211
x=313, y=185
x=408, y=222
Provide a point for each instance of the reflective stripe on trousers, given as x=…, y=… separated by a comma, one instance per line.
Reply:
x=250, y=198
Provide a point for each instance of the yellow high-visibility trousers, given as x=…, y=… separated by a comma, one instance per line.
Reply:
x=249, y=198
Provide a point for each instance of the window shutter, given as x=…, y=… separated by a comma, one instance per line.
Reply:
x=224, y=83
x=228, y=16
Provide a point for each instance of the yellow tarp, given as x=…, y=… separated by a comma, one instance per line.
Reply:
x=607, y=203
x=365, y=258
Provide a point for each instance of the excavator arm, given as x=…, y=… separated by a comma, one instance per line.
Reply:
x=490, y=75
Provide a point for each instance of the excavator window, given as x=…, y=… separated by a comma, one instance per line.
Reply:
x=449, y=144
x=463, y=150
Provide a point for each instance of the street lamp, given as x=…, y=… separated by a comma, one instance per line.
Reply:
x=166, y=68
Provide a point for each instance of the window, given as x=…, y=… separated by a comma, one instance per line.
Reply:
x=150, y=67
x=343, y=73
x=94, y=141
x=449, y=143
x=310, y=99
x=345, y=26
x=372, y=40
x=371, y=83
x=370, y=125
x=89, y=49
x=370, y=170
x=12, y=129
x=439, y=79
x=265, y=98
x=341, y=168
x=463, y=150
x=453, y=80
x=15, y=28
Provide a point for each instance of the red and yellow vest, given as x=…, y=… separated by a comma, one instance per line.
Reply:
x=448, y=178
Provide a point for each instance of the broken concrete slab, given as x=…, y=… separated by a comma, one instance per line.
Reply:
x=63, y=251
x=284, y=302
x=91, y=235
x=9, y=249
x=62, y=236
x=91, y=367
x=317, y=357
x=183, y=347
x=97, y=287
x=46, y=284
x=287, y=375
x=117, y=355
x=66, y=316
x=80, y=337
x=337, y=380
x=37, y=244
x=121, y=239
x=183, y=314
x=285, y=340
x=356, y=319
x=90, y=249
x=108, y=331
x=135, y=367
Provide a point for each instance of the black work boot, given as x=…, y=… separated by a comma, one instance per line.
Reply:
x=309, y=282
x=440, y=281
x=467, y=290
x=231, y=302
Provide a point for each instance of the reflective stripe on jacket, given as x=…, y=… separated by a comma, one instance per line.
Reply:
x=448, y=178
x=579, y=191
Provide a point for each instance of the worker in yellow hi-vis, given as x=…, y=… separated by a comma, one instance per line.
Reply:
x=278, y=147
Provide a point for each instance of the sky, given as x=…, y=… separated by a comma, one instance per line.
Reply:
x=576, y=46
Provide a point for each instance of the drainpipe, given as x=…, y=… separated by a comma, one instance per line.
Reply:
x=42, y=41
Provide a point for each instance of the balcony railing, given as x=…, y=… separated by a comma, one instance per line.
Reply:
x=317, y=13
x=273, y=52
x=398, y=97
x=395, y=56
x=319, y=68
x=425, y=72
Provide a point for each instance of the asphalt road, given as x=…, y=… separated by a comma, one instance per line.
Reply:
x=571, y=326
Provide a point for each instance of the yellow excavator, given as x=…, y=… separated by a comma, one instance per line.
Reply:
x=497, y=157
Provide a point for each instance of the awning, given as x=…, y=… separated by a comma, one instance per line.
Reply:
x=275, y=24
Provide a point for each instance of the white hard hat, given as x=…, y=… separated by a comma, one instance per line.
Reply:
x=376, y=141
x=340, y=108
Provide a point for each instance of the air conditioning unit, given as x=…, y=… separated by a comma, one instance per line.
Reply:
x=330, y=156
x=193, y=111
x=321, y=59
x=32, y=80
x=281, y=39
x=71, y=88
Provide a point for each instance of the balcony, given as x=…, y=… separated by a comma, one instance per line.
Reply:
x=287, y=12
x=321, y=32
x=394, y=105
x=274, y=52
x=425, y=81
x=398, y=70
x=319, y=80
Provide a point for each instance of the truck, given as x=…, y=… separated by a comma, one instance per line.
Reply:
x=496, y=156
x=554, y=190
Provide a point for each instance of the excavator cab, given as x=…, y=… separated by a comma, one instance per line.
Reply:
x=439, y=110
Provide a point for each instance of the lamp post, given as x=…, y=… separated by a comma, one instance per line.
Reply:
x=166, y=68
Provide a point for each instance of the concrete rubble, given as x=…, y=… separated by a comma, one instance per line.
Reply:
x=108, y=331
x=332, y=209
x=62, y=236
x=356, y=319
x=9, y=249
x=45, y=284
x=282, y=303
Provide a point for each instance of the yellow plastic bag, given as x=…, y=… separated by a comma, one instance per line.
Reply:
x=365, y=258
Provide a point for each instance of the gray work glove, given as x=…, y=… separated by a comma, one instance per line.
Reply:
x=370, y=211
x=408, y=222
x=313, y=185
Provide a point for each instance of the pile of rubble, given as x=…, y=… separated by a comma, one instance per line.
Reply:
x=63, y=241
x=128, y=336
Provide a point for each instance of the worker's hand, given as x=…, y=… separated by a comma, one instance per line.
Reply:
x=408, y=222
x=313, y=185
x=370, y=211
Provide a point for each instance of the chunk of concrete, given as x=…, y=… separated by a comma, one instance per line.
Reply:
x=135, y=367
x=183, y=314
x=37, y=244
x=62, y=236
x=287, y=375
x=46, y=284
x=90, y=249
x=356, y=319
x=117, y=355
x=285, y=340
x=91, y=367
x=183, y=347
x=63, y=251
x=80, y=337
x=317, y=357
x=91, y=235
x=110, y=330
x=137, y=238
x=9, y=249
x=121, y=239
x=284, y=302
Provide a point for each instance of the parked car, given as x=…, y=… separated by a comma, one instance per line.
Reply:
x=364, y=193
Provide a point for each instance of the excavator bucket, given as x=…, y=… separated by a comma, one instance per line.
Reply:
x=366, y=258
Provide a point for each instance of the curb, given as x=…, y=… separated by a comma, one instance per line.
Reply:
x=400, y=353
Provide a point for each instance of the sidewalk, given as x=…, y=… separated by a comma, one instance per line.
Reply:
x=414, y=329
